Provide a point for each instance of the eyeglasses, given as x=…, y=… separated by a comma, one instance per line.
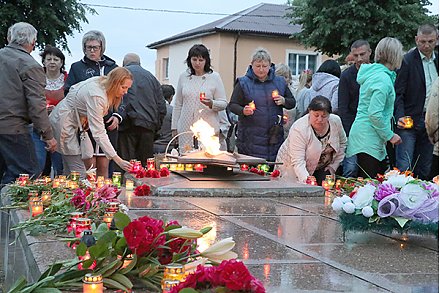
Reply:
x=93, y=48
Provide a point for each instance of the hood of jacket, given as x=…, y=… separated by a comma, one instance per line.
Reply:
x=368, y=70
x=322, y=79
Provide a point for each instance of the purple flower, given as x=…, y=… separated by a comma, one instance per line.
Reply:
x=384, y=190
x=432, y=188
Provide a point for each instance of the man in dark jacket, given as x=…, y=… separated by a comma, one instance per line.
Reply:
x=142, y=111
x=413, y=83
x=348, y=97
x=22, y=101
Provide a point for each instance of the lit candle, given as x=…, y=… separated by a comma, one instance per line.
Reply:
x=71, y=226
x=167, y=285
x=244, y=167
x=96, y=280
x=112, y=207
x=338, y=184
x=173, y=167
x=174, y=272
x=108, y=218
x=100, y=181
x=311, y=180
x=252, y=106
x=325, y=185
x=198, y=167
x=180, y=167
x=46, y=197
x=127, y=260
x=330, y=181
x=117, y=179
x=150, y=164
x=189, y=167
x=202, y=96
x=129, y=184
x=408, y=122
x=275, y=94
x=74, y=175
x=36, y=207
x=82, y=224
x=23, y=179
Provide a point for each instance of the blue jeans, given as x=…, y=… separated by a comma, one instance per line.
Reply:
x=41, y=152
x=349, y=166
x=17, y=154
x=415, y=151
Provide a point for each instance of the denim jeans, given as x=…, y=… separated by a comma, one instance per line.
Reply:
x=415, y=151
x=41, y=152
x=349, y=166
x=17, y=153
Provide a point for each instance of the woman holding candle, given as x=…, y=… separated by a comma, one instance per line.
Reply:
x=372, y=127
x=315, y=145
x=53, y=63
x=90, y=99
x=200, y=94
x=258, y=99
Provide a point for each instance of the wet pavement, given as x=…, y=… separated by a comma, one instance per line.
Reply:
x=291, y=243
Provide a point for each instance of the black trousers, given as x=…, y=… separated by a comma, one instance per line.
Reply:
x=136, y=143
x=369, y=166
x=434, y=167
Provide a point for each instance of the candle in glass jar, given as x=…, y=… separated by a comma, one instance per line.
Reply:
x=108, y=218
x=180, y=167
x=46, y=197
x=338, y=184
x=325, y=185
x=23, y=179
x=129, y=184
x=74, y=175
x=116, y=178
x=100, y=181
x=311, y=180
x=174, y=272
x=198, y=167
x=150, y=164
x=202, y=96
x=244, y=167
x=173, y=167
x=112, y=207
x=36, y=207
x=82, y=224
x=71, y=226
x=275, y=94
x=93, y=283
x=189, y=167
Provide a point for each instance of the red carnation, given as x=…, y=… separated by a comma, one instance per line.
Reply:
x=254, y=170
x=164, y=172
x=142, y=190
x=261, y=173
x=155, y=174
x=275, y=173
x=235, y=275
x=144, y=235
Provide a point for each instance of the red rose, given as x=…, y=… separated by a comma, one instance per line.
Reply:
x=142, y=235
x=235, y=275
x=275, y=173
x=134, y=233
x=155, y=174
x=261, y=173
x=254, y=170
x=142, y=190
x=257, y=286
x=164, y=172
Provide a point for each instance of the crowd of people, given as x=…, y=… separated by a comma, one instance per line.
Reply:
x=353, y=120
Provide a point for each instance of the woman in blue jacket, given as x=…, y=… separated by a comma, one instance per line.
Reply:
x=372, y=127
x=258, y=99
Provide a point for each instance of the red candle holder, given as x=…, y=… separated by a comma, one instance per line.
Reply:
x=198, y=167
x=275, y=94
x=82, y=224
x=151, y=164
x=202, y=96
x=311, y=180
x=244, y=167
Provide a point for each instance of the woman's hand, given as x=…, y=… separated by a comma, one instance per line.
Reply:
x=247, y=111
x=279, y=100
x=125, y=165
x=395, y=139
x=114, y=123
x=207, y=102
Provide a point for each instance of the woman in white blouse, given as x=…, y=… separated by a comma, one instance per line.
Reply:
x=92, y=99
x=200, y=94
x=315, y=145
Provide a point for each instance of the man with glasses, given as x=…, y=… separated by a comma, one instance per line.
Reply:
x=413, y=84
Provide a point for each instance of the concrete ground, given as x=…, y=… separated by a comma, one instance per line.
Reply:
x=291, y=243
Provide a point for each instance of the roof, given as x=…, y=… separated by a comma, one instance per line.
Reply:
x=262, y=19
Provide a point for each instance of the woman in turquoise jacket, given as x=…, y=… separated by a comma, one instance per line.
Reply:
x=372, y=127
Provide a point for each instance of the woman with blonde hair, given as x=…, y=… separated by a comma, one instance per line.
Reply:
x=289, y=116
x=303, y=91
x=372, y=127
x=84, y=107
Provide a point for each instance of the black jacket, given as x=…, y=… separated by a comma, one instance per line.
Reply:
x=410, y=87
x=348, y=97
x=144, y=104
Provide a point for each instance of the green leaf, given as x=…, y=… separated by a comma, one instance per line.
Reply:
x=121, y=220
x=81, y=249
x=97, y=251
x=188, y=290
x=401, y=221
x=18, y=285
x=373, y=219
x=120, y=246
x=88, y=263
x=205, y=230
x=130, y=266
x=47, y=290
x=107, y=238
x=67, y=276
x=52, y=270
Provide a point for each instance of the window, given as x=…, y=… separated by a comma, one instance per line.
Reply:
x=165, y=63
x=300, y=61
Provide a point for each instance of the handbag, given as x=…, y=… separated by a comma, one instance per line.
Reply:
x=85, y=143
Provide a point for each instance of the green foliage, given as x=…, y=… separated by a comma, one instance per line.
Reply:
x=53, y=19
x=332, y=26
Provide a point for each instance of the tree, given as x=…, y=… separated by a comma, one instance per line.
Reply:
x=333, y=25
x=53, y=19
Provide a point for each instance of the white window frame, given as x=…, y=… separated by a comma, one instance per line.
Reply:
x=165, y=68
x=303, y=52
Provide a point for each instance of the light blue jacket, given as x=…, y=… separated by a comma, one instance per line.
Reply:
x=372, y=127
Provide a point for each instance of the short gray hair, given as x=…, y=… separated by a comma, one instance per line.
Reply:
x=261, y=55
x=22, y=33
x=94, y=35
x=389, y=51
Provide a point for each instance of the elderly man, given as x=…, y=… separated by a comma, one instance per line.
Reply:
x=348, y=94
x=22, y=101
x=142, y=110
x=413, y=83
